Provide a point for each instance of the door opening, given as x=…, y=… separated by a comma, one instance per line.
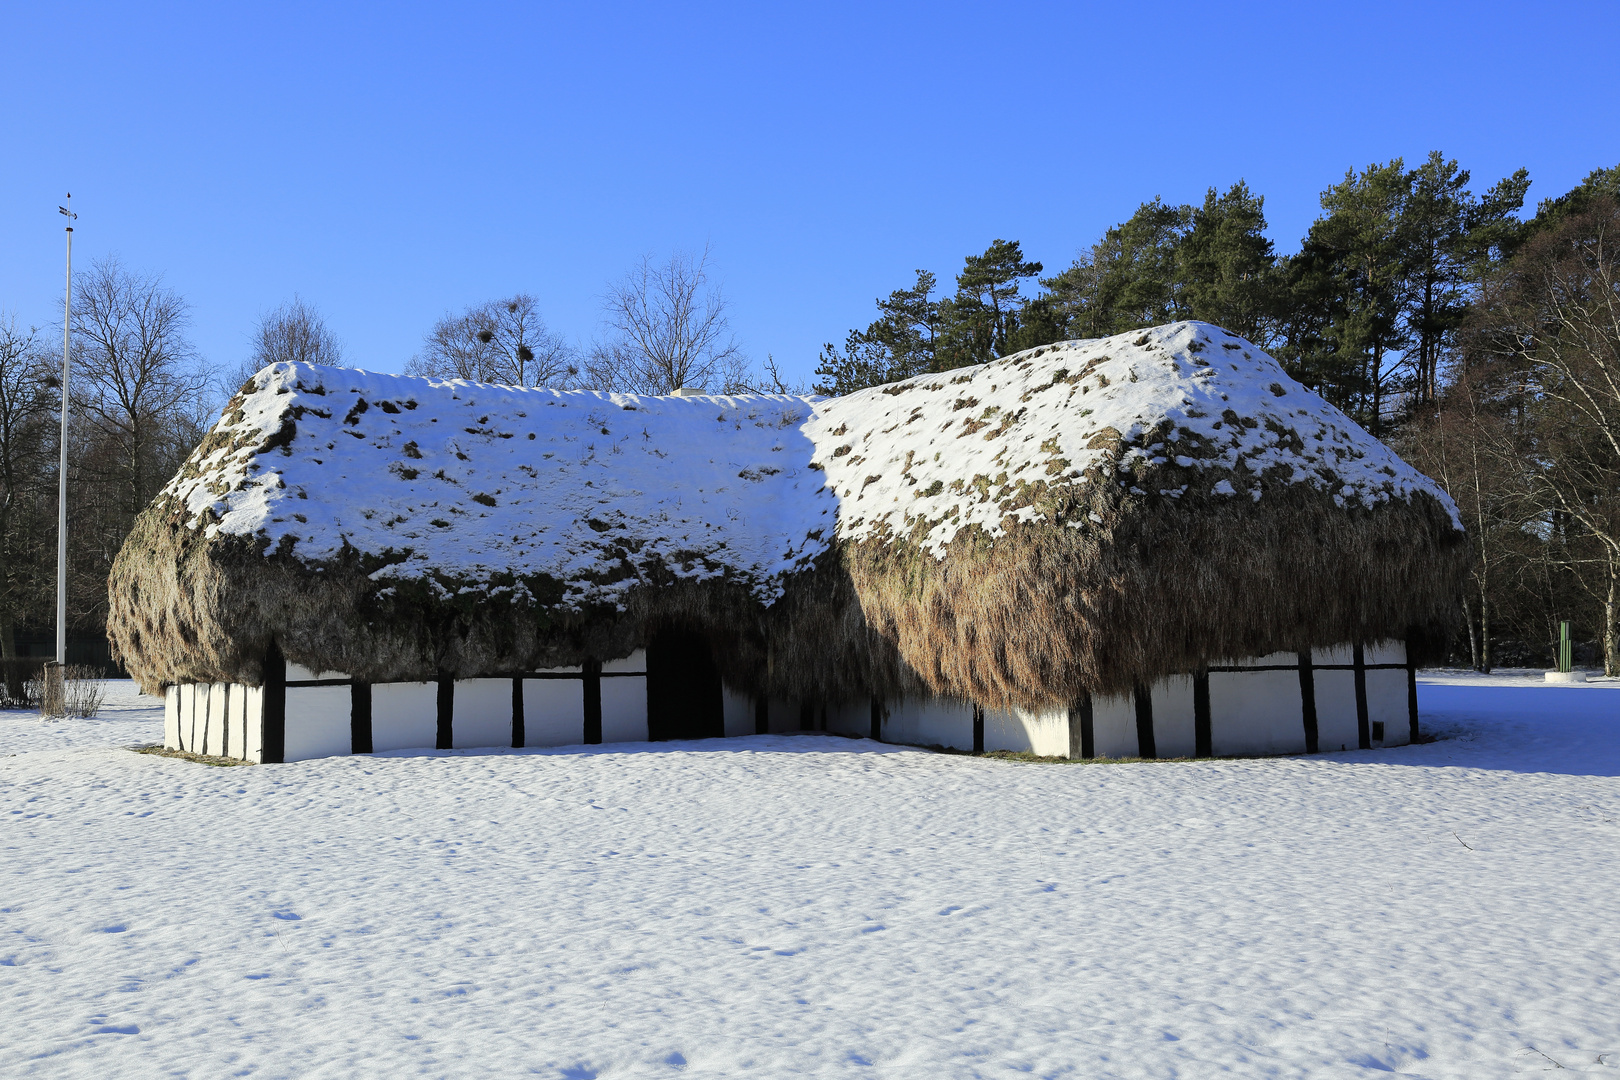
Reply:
x=684, y=698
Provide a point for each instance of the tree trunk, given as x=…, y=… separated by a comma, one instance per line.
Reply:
x=1484, y=633
x=1473, y=634
x=1611, y=623
x=13, y=672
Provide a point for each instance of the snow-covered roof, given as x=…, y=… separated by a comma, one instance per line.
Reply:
x=1103, y=511
x=1181, y=408
x=468, y=481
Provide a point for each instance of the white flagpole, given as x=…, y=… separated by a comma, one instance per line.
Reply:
x=62, y=468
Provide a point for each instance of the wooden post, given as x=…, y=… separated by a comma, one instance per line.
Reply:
x=1307, y=699
x=1082, y=733
x=1142, y=694
x=359, y=717
x=593, y=702
x=447, y=712
x=517, y=712
x=273, y=737
x=1411, y=685
x=1203, y=729
x=978, y=729
x=1363, y=728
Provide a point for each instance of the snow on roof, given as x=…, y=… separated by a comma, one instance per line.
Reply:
x=980, y=446
x=465, y=480
x=468, y=480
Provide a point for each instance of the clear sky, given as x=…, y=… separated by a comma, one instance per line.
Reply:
x=389, y=162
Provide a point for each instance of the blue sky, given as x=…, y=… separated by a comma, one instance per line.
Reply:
x=392, y=162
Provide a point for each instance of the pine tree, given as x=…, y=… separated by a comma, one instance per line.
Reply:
x=1128, y=279
x=1225, y=265
x=977, y=323
x=900, y=343
x=1352, y=268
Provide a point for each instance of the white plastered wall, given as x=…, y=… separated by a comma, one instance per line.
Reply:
x=317, y=722
x=1387, y=704
x=404, y=716
x=300, y=673
x=1335, y=709
x=624, y=709
x=1256, y=712
x=553, y=712
x=1175, y=722
x=930, y=722
x=253, y=722
x=171, y=718
x=851, y=718
x=216, y=726
x=738, y=710
x=1113, y=726
x=482, y=713
x=1044, y=733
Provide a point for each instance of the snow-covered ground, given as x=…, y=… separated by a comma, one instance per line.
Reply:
x=779, y=906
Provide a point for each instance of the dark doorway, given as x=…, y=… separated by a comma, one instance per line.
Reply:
x=683, y=688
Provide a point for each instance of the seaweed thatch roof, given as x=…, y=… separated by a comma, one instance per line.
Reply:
x=1077, y=517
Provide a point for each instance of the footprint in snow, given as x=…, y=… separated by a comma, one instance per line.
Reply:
x=287, y=916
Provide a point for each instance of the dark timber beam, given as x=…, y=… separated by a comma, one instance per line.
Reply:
x=447, y=712
x=359, y=717
x=1307, y=700
x=273, y=717
x=1411, y=685
x=1203, y=730
x=1363, y=728
x=1142, y=695
x=593, y=702
x=518, y=733
x=1082, y=732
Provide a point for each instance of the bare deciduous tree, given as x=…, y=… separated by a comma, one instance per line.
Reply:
x=1553, y=324
x=138, y=387
x=294, y=333
x=669, y=330
x=503, y=341
x=26, y=444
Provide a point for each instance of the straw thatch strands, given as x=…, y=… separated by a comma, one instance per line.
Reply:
x=1078, y=550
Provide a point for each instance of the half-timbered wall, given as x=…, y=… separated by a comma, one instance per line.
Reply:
x=1285, y=703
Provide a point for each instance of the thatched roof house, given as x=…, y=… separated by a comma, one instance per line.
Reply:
x=1080, y=519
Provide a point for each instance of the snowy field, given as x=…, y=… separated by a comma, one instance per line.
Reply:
x=810, y=905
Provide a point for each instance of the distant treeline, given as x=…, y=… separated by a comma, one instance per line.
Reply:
x=1483, y=345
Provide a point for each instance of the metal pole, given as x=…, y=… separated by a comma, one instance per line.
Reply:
x=62, y=467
